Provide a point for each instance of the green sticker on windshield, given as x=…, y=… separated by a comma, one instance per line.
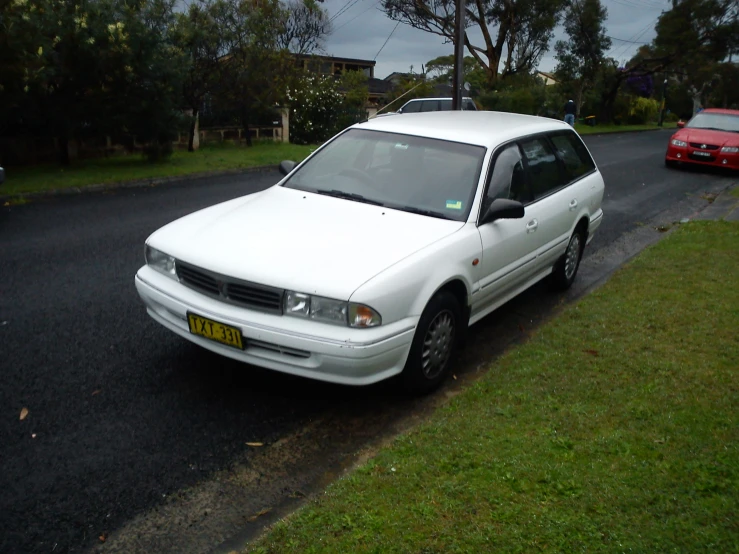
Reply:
x=453, y=204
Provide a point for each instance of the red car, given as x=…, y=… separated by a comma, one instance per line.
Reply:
x=711, y=137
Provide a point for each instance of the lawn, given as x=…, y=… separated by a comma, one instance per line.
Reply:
x=615, y=428
x=133, y=167
x=587, y=130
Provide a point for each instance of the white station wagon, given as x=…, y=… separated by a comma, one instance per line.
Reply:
x=370, y=258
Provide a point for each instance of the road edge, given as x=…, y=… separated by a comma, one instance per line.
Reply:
x=136, y=183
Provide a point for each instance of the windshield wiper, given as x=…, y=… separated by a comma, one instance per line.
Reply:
x=421, y=211
x=348, y=196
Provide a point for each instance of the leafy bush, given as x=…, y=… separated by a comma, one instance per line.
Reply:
x=318, y=110
x=643, y=110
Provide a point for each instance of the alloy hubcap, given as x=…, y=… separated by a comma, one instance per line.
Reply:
x=572, y=256
x=437, y=345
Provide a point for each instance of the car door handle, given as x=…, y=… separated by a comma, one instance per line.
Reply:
x=573, y=204
x=532, y=225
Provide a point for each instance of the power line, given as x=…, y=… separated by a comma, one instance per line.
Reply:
x=344, y=9
x=386, y=40
x=356, y=16
x=623, y=40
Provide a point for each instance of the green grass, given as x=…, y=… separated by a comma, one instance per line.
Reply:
x=735, y=192
x=614, y=429
x=610, y=128
x=128, y=168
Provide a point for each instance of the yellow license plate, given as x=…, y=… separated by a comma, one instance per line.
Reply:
x=213, y=330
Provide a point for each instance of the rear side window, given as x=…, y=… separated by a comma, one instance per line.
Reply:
x=543, y=168
x=446, y=105
x=574, y=155
x=412, y=107
x=430, y=106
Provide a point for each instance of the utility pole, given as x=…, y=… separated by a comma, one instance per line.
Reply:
x=662, y=105
x=458, y=54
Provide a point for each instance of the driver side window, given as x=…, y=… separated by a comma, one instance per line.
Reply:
x=508, y=179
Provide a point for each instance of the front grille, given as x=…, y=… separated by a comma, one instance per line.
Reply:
x=228, y=289
x=197, y=279
x=251, y=295
x=703, y=146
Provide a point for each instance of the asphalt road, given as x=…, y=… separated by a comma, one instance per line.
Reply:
x=123, y=415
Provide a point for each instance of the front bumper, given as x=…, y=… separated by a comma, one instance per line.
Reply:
x=291, y=345
x=691, y=155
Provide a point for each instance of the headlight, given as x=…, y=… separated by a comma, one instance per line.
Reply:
x=730, y=149
x=327, y=310
x=160, y=261
x=677, y=142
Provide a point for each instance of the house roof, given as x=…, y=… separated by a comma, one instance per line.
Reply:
x=336, y=59
x=548, y=75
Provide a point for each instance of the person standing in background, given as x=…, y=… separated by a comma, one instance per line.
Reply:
x=570, y=112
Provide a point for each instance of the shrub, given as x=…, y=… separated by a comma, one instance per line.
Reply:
x=643, y=110
x=318, y=110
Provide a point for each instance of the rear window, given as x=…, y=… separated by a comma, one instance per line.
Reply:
x=573, y=154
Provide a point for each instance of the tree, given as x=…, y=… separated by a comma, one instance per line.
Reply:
x=304, y=26
x=579, y=59
x=81, y=69
x=515, y=33
x=198, y=34
x=256, y=71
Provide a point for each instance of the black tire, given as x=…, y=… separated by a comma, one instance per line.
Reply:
x=670, y=163
x=429, y=364
x=565, y=270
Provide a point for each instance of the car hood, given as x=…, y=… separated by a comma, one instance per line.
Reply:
x=708, y=136
x=298, y=240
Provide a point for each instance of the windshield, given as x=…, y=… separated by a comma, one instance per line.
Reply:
x=433, y=177
x=720, y=121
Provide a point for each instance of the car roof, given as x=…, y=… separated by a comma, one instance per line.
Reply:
x=720, y=110
x=481, y=128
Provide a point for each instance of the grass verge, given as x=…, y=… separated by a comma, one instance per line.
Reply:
x=598, y=129
x=614, y=429
x=128, y=168
x=735, y=192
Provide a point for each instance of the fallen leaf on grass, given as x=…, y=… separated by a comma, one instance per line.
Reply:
x=455, y=377
x=102, y=537
x=95, y=392
x=591, y=352
x=24, y=413
x=297, y=494
x=254, y=444
x=259, y=514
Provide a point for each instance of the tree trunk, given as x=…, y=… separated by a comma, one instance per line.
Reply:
x=245, y=124
x=191, y=138
x=64, y=149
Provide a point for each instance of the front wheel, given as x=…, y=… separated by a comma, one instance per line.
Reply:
x=566, y=269
x=433, y=345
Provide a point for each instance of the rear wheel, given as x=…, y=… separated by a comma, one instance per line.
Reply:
x=434, y=344
x=566, y=269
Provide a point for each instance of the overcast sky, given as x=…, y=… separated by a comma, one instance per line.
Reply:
x=362, y=28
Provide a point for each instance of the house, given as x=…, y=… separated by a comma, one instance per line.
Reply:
x=331, y=65
x=548, y=78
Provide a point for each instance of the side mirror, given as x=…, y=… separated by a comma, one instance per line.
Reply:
x=680, y=124
x=502, y=208
x=2, y=175
x=286, y=166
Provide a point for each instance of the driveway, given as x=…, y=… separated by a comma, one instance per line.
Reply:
x=135, y=440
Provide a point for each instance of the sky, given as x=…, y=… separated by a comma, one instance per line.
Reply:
x=360, y=28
